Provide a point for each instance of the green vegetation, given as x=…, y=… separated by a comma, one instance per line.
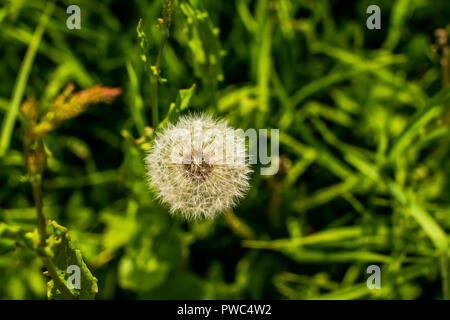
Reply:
x=364, y=119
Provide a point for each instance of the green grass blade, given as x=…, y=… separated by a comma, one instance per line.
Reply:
x=19, y=87
x=417, y=123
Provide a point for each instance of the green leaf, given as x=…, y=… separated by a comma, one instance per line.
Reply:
x=65, y=255
x=6, y=246
x=316, y=256
x=183, y=98
x=204, y=42
x=119, y=228
x=27, y=239
x=181, y=104
x=430, y=226
x=326, y=236
x=418, y=122
x=136, y=101
x=142, y=275
x=354, y=292
x=22, y=79
x=400, y=14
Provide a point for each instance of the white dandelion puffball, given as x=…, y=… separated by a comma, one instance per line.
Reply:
x=198, y=166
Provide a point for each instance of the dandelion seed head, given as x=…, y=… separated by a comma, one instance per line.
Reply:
x=198, y=166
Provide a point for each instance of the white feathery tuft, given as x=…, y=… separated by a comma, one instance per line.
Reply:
x=198, y=167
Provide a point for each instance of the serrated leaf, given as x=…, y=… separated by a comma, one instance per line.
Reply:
x=65, y=255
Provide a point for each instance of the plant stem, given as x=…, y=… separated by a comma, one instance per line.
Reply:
x=154, y=81
x=19, y=86
x=154, y=75
x=65, y=292
x=37, y=195
x=161, y=48
x=238, y=226
x=154, y=100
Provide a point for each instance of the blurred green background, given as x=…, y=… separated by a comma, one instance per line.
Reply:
x=364, y=173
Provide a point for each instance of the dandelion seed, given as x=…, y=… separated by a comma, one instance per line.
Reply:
x=198, y=166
